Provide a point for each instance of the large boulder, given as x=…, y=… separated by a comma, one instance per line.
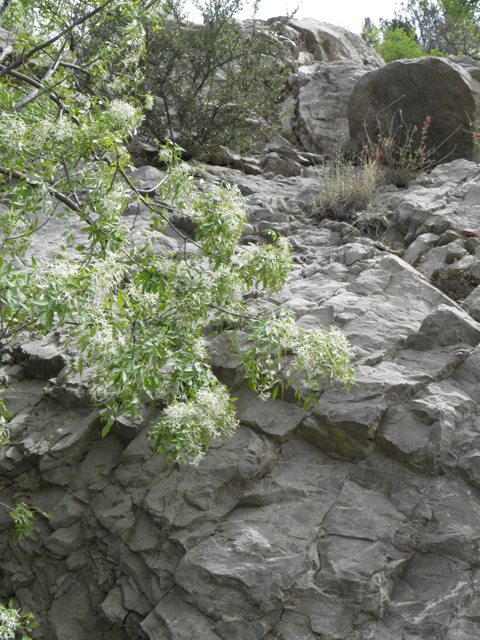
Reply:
x=329, y=43
x=411, y=90
x=321, y=122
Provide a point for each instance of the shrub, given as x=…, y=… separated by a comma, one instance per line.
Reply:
x=402, y=150
x=398, y=44
x=210, y=80
x=347, y=189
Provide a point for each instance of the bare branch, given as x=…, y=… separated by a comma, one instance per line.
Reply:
x=34, y=93
x=76, y=67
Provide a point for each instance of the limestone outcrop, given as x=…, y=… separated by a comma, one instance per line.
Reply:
x=447, y=90
x=323, y=90
x=330, y=43
x=355, y=521
x=328, y=62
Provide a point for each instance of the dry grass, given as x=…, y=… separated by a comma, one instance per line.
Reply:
x=347, y=190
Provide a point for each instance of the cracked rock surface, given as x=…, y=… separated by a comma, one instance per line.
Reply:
x=358, y=520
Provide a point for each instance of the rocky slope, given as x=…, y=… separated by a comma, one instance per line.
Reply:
x=357, y=521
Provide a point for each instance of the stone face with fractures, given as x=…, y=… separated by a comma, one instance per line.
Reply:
x=359, y=520
x=356, y=521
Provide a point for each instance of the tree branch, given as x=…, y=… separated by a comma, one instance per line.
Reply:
x=47, y=43
x=57, y=194
x=39, y=85
x=34, y=93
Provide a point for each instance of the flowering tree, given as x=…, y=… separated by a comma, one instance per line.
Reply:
x=13, y=621
x=136, y=314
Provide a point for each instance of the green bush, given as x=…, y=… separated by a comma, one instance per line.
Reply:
x=136, y=316
x=398, y=45
x=210, y=81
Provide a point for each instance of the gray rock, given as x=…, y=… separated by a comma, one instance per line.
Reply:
x=147, y=179
x=321, y=122
x=445, y=326
x=65, y=541
x=434, y=87
x=415, y=605
x=41, y=359
x=472, y=304
x=275, y=418
x=330, y=43
x=419, y=247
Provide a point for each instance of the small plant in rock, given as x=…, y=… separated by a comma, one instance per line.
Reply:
x=402, y=149
x=347, y=189
x=396, y=152
x=13, y=622
x=23, y=516
x=372, y=221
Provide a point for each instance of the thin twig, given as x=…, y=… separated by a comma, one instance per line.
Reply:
x=132, y=186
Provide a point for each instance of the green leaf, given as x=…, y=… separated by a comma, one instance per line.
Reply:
x=49, y=320
x=105, y=430
x=307, y=404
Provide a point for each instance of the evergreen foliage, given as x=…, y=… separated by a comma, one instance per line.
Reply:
x=210, y=80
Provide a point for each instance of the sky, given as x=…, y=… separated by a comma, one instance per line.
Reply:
x=344, y=13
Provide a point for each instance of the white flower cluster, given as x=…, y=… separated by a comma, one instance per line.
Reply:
x=106, y=339
x=113, y=201
x=118, y=84
x=149, y=102
x=289, y=332
x=134, y=53
x=325, y=352
x=264, y=388
x=124, y=112
x=13, y=131
x=9, y=622
x=230, y=209
x=63, y=129
x=199, y=349
x=165, y=154
x=63, y=272
x=168, y=266
x=207, y=415
x=105, y=274
x=48, y=130
x=226, y=277
x=148, y=299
